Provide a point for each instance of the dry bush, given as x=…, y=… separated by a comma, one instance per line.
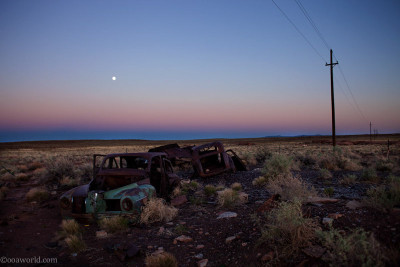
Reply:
x=69, y=227
x=68, y=181
x=348, y=179
x=287, y=229
x=210, y=190
x=34, y=165
x=156, y=210
x=84, y=172
x=383, y=197
x=260, y=181
x=262, y=154
x=75, y=243
x=249, y=158
x=58, y=167
x=114, y=224
x=277, y=165
x=228, y=197
x=357, y=248
x=290, y=188
x=38, y=194
x=236, y=186
x=384, y=165
x=325, y=174
x=163, y=259
x=22, y=177
x=370, y=175
x=3, y=192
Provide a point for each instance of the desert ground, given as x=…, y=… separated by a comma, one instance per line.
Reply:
x=300, y=202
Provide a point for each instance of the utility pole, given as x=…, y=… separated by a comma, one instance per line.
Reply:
x=332, y=102
x=370, y=132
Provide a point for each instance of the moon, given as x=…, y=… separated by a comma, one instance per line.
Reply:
x=114, y=78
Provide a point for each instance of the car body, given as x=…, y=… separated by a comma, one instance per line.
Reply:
x=122, y=183
x=207, y=160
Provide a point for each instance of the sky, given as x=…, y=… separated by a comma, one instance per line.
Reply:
x=196, y=69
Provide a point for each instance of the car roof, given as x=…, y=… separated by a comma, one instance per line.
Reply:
x=147, y=155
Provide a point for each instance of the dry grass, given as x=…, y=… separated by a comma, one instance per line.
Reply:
x=236, y=186
x=163, y=259
x=114, y=224
x=69, y=228
x=290, y=188
x=156, y=210
x=210, y=190
x=357, y=248
x=38, y=194
x=325, y=174
x=260, y=181
x=75, y=243
x=384, y=198
x=287, y=229
x=228, y=198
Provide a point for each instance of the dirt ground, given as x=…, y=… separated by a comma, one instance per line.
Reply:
x=29, y=229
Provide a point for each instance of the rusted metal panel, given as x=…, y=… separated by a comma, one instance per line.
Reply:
x=207, y=160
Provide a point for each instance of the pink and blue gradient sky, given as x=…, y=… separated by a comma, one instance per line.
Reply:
x=194, y=69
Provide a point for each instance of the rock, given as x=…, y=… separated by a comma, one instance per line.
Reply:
x=184, y=239
x=314, y=251
x=230, y=239
x=267, y=257
x=202, y=263
x=354, y=204
x=179, y=200
x=335, y=216
x=322, y=200
x=244, y=244
x=198, y=256
x=326, y=221
x=200, y=246
x=227, y=214
x=175, y=242
x=121, y=255
x=101, y=234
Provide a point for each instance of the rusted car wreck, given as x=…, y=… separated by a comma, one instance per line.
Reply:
x=207, y=160
x=121, y=184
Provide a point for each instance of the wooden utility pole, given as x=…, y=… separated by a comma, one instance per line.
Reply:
x=332, y=102
x=370, y=131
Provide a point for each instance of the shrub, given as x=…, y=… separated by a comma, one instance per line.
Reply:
x=290, y=188
x=348, y=179
x=249, y=158
x=369, y=175
x=69, y=228
x=358, y=248
x=163, y=259
x=3, y=192
x=60, y=167
x=68, y=181
x=156, y=210
x=228, y=197
x=329, y=191
x=114, y=224
x=34, y=165
x=325, y=174
x=37, y=194
x=189, y=186
x=286, y=228
x=75, y=243
x=385, y=198
x=22, y=177
x=236, y=186
x=277, y=165
x=262, y=154
x=260, y=181
x=384, y=165
x=210, y=190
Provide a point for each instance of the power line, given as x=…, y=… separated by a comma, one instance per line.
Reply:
x=297, y=29
x=312, y=23
x=308, y=17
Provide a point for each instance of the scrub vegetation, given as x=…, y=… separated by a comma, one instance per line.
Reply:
x=301, y=202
